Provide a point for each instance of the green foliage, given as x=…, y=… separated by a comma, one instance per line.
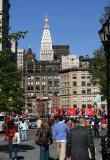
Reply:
x=98, y=70
x=98, y=65
x=11, y=91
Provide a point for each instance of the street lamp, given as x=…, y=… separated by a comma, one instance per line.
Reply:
x=105, y=38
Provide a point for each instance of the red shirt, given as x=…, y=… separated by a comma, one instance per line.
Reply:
x=11, y=132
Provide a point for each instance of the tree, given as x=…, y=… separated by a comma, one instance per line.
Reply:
x=98, y=65
x=11, y=91
x=98, y=70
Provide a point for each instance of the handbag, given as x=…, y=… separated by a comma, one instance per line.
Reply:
x=16, y=138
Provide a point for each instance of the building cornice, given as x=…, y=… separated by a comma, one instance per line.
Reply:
x=73, y=69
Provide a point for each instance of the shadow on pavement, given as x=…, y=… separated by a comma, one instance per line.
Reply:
x=20, y=157
x=21, y=148
x=25, y=147
x=52, y=158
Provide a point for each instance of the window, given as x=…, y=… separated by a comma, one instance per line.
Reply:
x=74, y=99
x=89, y=99
x=37, y=83
x=74, y=83
x=74, y=92
x=32, y=83
x=74, y=77
x=49, y=82
x=32, y=77
x=94, y=90
x=88, y=84
x=37, y=87
x=74, y=105
x=83, y=105
x=29, y=77
x=83, y=77
x=89, y=105
x=84, y=99
x=83, y=83
x=88, y=77
x=88, y=91
x=32, y=94
x=29, y=83
x=43, y=82
x=83, y=91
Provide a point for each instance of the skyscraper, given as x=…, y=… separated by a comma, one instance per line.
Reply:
x=4, y=21
x=46, y=51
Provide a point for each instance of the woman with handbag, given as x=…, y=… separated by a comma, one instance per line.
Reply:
x=44, y=139
x=13, y=139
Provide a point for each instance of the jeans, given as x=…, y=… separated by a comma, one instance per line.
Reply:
x=23, y=135
x=44, y=152
x=12, y=149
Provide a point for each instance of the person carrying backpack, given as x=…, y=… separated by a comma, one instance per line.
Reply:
x=44, y=139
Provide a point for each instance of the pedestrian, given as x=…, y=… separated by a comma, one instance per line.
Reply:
x=7, y=119
x=23, y=130
x=12, y=145
x=96, y=127
x=44, y=139
x=16, y=141
x=70, y=123
x=80, y=143
x=60, y=132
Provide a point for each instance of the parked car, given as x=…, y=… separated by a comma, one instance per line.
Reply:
x=2, y=123
x=32, y=123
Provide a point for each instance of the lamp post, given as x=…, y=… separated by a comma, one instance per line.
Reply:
x=105, y=38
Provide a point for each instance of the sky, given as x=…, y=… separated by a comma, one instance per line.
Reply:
x=72, y=22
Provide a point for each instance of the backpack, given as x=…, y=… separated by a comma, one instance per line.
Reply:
x=42, y=138
x=37, y=139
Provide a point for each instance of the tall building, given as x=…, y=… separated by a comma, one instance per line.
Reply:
x=4, y=21
x=59, y=51
x=46, y=51
x=20, y=59
x=41, y=81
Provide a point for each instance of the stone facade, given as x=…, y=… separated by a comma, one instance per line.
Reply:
x=76, y=89
x=41, y=80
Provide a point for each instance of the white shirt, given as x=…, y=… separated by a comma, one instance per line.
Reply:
x=23, y=126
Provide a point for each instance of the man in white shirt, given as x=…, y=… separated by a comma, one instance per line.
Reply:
x=23, y=129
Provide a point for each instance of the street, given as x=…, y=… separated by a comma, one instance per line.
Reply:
x=28, y=150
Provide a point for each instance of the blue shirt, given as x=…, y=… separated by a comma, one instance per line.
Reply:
x=60, y=131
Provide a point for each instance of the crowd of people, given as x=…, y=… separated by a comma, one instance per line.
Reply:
x=73, y=138
x=74, y=141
